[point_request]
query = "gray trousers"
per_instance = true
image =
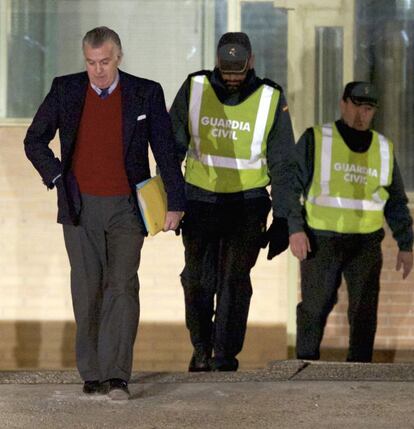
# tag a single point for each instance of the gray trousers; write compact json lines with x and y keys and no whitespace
{"x":104,"y":254}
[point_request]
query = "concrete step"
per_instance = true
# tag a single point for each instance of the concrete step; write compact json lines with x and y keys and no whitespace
{"x":286,"y":370}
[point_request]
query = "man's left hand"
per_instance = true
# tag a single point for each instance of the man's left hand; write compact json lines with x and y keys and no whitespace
{"x":172,"y":220}
{"x":404,"y":260}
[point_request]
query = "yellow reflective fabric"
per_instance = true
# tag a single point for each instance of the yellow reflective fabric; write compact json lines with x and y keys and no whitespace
{"x":347,"y":193}
{"x":227,"y":150}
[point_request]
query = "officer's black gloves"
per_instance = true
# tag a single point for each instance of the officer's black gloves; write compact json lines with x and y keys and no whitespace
{"x":277,"y":236}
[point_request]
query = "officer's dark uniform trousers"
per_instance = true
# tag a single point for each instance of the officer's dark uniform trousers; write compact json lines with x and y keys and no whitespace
{"x":222,"y":243}
{"x":359,"y":258}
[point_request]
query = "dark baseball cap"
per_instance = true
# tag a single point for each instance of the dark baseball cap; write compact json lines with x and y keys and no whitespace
{"x":233,"y":52}
{"x":361,"y":93}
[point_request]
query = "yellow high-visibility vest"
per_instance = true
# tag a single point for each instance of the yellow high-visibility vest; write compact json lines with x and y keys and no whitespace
{"x":227,"y":150}
{"x":347,"y":193}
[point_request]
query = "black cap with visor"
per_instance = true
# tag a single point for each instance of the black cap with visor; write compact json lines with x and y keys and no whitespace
{"x":361,"y":93}
{"x":233,"y":53}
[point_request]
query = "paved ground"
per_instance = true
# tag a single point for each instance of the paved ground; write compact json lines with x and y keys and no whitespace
{"x":288,"y":394}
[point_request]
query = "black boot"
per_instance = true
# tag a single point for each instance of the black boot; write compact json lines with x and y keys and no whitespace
{"x":200,"y":362}
{"x":224,"y":364}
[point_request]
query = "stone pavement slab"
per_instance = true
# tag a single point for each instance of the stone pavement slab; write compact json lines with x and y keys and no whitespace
{"x":243,"y":405}
{"x":287,"y":394}
{"x":356,"y":371}
{"x":278,"y":370}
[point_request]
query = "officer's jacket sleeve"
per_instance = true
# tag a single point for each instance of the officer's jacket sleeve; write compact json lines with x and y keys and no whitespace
{"x":397,"y":213}
{"x":280,"y":144}
{"x":301,"y":178}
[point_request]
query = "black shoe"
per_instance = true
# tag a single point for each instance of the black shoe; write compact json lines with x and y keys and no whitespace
{"x":224,"y":364}
{"x":118,"y":389}
{"x":91,"y":386}
{"x":200,"y":362}
{"x":307,"y":357}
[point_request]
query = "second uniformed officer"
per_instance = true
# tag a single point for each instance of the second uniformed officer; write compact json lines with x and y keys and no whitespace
{"x":350,"y":181}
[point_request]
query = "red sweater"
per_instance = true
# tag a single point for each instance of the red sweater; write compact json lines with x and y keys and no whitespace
{"x":98,"y":160}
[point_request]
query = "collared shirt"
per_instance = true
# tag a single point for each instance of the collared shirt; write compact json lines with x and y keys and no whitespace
{"x":110,"y":89}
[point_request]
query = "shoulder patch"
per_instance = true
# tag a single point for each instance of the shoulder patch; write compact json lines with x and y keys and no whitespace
{"x":272,"y":84}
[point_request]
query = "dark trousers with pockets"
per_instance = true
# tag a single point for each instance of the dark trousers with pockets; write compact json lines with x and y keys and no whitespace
{"x":358,"y":257}
{"x":222,"y":243}
{"x":104,"y":253}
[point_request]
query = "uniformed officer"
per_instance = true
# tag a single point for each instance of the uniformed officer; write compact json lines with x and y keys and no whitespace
{"x":350,"y":181}
{"x":234,"y":130}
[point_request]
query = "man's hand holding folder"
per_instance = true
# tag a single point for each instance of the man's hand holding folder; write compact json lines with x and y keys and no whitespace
{"x":172,"y":220}
{"x":152,"y":201}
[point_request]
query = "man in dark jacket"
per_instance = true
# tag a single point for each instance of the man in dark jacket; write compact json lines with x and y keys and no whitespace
{"x":234,"y":130}
{"x":350,"y":181}
{"x":105,"y":119}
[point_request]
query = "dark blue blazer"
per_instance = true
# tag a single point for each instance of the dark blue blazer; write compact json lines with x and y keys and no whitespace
{"x":62,"y":110}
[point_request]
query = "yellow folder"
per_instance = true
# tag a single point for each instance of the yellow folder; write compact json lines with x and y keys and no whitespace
{"x":152,"y":201}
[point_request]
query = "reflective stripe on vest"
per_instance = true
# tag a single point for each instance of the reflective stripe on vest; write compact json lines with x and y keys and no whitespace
{"x":209,"y":153}
{"x":341,"y":212}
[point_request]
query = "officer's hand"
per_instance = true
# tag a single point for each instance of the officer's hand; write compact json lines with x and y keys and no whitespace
{"x":172,"y":220}
{"x":404,"y":259}
{"x":299,"y":245}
